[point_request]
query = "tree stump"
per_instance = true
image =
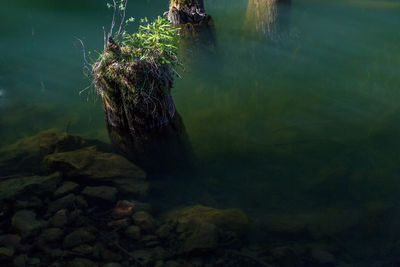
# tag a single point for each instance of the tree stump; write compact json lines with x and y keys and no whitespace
{"x":140,"y":114}
{"x":187,"y":11}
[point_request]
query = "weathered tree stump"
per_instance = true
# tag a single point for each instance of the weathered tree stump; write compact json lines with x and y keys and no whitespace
{"x":187,"y":11}
{"x":196,"y":28}
{"x":140,"y":113}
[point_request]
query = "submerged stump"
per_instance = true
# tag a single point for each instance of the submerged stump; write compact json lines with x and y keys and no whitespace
{"x":187,"y":11}
{"x":195,"y":26}
{"x":140,"y":113}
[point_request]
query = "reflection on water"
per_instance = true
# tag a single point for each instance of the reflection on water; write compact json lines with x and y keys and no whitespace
{"x":262,"y":14}
{"x":267,"y":17}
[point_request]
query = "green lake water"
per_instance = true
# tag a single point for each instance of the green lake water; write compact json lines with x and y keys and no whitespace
{"x":292,"y":113}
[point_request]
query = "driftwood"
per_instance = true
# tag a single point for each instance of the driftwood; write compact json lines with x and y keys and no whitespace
{"x":140,"y":113}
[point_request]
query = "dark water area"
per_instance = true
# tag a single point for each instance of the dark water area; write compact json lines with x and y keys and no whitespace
{"x":292,"y":112}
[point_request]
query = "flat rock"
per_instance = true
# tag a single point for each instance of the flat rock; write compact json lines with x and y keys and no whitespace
{"x":13,"y":187}
{"x":25,"y":222}
{"x":26,"y":154}
{"x":92,"y":164}
{"x":101,"y":192}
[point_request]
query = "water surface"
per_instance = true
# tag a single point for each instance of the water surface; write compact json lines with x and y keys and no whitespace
{"x":293,"y":112}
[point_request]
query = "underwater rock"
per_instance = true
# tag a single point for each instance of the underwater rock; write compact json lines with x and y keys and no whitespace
{"x":112,"y":264}
{"x":285,"y":256}
{"x":78,"y":237}
{"x":144,"y":220}
{"x":10,"y":240}
{"x":108,"y":255}
{"x":125,"y":208}
{"x":6,"y":253}
{"x":25,"y":222}
{"x":231,"y":220}
{"x":50,"y":235}
{"x":133,"y":232}
{"x":204,"y":236}
{"x":15,"y":186}
{"x":25,"y":155}
{"x":92,"y":164}
{"x":65,"y":188}
{"x":119,"y":224}
{"x":60,"y":219}
{"x":20,"y":260}
{"x":81,"y":262}
{"x":199,"y":228}
{"x":66,"y":202}
{"x":150,"y":241}
{"x":31,"y":203}
{"x":131,"y":186}
{"x":322,"y":257}
{"x":83,"y":249}
{"x":107,"y":193}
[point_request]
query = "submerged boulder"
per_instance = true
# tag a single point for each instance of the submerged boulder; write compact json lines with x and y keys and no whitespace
{"x":25,"y":222}
{"x":15,"y":186}
{"x":25,"y":155}
{"x":202,"y":228}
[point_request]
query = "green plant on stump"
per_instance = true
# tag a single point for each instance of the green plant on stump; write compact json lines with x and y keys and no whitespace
{"x":140,"y":66}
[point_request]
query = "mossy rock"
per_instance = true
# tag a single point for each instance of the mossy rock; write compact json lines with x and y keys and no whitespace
{"x":25,"y":155}
{"x":99,"y":167}
{"x":91,"y":163}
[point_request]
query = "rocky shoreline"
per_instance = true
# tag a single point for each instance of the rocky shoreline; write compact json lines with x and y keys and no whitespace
{"x":66,"y":201}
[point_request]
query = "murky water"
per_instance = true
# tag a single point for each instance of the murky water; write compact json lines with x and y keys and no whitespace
{"x":292,"y":111}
